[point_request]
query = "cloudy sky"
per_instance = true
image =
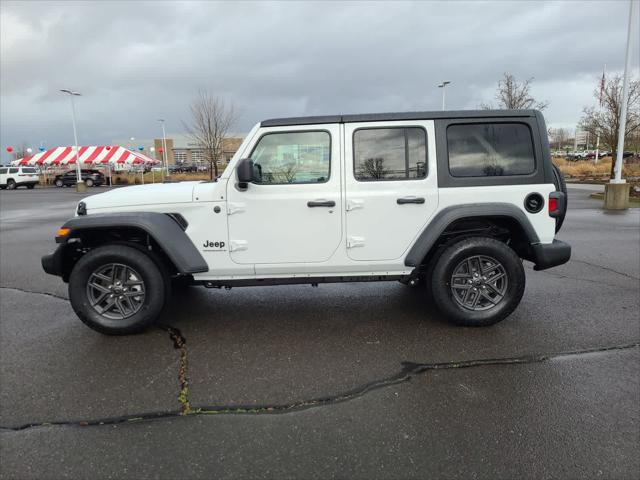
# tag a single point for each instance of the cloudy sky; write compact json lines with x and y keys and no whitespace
{"x":137,"y":61}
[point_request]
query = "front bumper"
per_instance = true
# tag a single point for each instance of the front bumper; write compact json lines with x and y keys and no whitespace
{"x":547,"y":255}
{"x":53,"y":263}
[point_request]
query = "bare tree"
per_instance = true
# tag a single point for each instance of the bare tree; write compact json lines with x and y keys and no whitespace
{"x":212,"y":118}
{"x":559,"y":137}
{"x":21,"y":151}
{"x":373,"y":168}
{"x":605,"y":121}
{"x":513,"y":94}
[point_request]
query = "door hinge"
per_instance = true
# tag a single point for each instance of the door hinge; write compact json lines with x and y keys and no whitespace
{"x":238,"y":245}
{"x":235,"y":208}
{"x":353,"y":242}
{"x":354,"y":204}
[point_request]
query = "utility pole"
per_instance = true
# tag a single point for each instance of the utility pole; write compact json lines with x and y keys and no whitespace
{"x":595,"y":159}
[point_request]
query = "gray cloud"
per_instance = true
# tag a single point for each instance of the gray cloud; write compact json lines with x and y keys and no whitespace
{"x":136,"y":61}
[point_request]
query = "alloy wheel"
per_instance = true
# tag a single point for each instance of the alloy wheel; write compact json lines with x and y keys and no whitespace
{"x":116,"y":291}
{"x":479,"y":283}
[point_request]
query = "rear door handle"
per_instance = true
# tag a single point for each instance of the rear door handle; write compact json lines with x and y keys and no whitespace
{"x":321,"y":203}
{"x":405,"y":200}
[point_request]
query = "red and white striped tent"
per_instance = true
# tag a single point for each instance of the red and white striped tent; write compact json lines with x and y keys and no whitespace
{"x":96,"y":156}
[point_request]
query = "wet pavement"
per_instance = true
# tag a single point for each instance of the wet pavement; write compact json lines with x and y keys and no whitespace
{"x":352,"y":380}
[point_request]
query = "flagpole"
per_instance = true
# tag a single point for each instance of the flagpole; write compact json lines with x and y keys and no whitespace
{"x":600,"y":111}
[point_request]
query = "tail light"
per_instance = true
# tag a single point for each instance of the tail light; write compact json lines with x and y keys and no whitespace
{"x":557,"y":204}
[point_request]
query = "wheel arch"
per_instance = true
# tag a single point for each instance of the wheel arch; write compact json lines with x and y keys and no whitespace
{"x":158,"y":233}
{"x":499,"y":220}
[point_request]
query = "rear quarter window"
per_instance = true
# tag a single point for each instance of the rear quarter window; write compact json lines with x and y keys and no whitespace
{"x":29,"y":170}
{"x":490,"y":149}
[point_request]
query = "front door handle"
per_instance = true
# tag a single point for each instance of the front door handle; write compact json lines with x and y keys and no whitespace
{"x":405,"y":200}
{"x":321,"y":203}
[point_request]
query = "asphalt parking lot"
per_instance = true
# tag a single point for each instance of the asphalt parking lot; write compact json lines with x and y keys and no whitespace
{"x":350,"y":380}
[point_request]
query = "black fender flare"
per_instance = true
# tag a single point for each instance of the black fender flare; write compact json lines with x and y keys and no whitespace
{"x":166,"y":232}
{"x":448,"y":215}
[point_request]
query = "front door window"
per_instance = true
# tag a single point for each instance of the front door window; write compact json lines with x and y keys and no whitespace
{"x":292,"y":157}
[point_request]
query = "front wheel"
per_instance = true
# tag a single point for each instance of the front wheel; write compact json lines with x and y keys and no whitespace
{"x":477,"y":281}
{"x":11,"y":184}
{"x":117,"y":290}
{"x":88,"y":182}
{"x":59,"y":183}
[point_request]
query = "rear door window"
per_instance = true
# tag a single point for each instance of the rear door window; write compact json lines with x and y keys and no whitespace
{"x":490,"y":149}
{"x":13,"y":170}
{"x":389,"y":154}
{"x":3,"y":171}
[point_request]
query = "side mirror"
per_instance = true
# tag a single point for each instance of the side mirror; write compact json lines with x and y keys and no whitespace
{"x":244,"y":170}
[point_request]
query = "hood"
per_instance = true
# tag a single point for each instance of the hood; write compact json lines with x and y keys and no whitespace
{"x":150,"y":194}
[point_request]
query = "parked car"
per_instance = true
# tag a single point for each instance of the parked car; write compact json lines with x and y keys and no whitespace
{"x":14,"y":177}
{"x":451,"y":202}
{"x":91,"y":178}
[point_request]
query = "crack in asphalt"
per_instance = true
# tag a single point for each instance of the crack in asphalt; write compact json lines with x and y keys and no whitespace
{"x":409,"y":370}
{"x":180,"y":343}
{"x":24,"y":290}
{"x":588,"y":280}
{"x":606,"y":268}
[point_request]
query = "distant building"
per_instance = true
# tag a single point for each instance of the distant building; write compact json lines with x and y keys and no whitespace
{"x":181,"y":148}
{"x":581,"y":139}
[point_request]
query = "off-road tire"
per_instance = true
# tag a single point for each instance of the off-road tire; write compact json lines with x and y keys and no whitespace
{"x":451,"y":258}
{"x":154,"y":287}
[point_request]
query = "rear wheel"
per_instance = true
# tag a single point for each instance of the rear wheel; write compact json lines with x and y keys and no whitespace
{"x":31,"y":185}
{"x":117,"y":290}
{"x":59,"y":183}
{"x":477,"y":281}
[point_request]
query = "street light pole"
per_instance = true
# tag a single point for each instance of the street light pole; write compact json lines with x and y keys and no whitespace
{"x":625,"y":99}
{"x":80,"y":186}
{"x":164,"y":147}
{"x":442,"y":86}
{"x":616,"y":192}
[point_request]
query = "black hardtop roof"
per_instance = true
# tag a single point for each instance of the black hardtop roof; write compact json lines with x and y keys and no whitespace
{"x":383,"y":117}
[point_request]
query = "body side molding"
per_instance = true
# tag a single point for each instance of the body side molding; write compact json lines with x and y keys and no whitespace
{"x":445,"y":217}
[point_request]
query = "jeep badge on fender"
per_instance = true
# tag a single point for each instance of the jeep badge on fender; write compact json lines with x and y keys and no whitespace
{"x":210,"y":244}
{"x":450,"y":202}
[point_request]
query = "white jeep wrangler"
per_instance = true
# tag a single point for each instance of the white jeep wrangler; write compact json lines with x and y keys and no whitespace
{"x":449,"y":200}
